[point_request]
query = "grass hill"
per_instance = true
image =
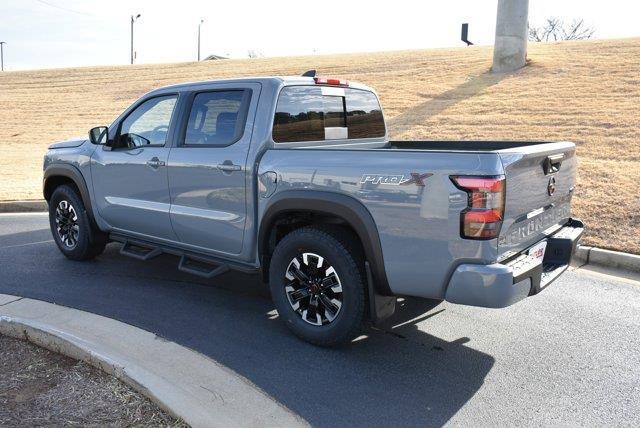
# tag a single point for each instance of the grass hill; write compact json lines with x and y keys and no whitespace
{"x":587,"y":92}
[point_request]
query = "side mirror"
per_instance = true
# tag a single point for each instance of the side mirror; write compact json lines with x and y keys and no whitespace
{"x":98,"y":135}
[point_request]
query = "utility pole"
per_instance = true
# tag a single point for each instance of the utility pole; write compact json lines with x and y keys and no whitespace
{"x":199,"y":25}
{"x":133,"y":19}
{"x":2,"y":55}
{"x":510,"y":49}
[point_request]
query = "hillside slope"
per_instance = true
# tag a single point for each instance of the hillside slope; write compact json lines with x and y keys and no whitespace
{"x":587,"y":92}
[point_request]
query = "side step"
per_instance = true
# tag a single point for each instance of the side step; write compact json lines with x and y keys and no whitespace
{"x":139,"y":252}
{"x":201,"y":268}
{"x":202,"y":265}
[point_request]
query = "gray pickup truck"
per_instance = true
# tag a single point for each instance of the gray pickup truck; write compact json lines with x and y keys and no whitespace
{"x":294,"y":178}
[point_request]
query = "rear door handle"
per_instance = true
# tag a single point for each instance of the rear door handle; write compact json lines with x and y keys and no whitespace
{"x":227,"y":166}
{"x":155,"y":163}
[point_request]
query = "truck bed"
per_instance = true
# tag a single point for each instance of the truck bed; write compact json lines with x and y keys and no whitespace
{"x":467,"y":146}
{"x":419,"y":222}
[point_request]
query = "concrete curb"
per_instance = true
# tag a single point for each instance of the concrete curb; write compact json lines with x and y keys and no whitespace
{"x":607,"y":258}
{"x":36,"y":205}
{"x":183,"y":382}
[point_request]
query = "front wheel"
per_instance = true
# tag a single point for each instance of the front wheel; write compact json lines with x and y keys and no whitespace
{"x":317,"y":286}
{"x":74,"y":234}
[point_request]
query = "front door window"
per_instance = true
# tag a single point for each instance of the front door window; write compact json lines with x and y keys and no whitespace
{"x":148,"y":124}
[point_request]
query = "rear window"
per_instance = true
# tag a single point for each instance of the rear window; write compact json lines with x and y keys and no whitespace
{"x":319,"y":113}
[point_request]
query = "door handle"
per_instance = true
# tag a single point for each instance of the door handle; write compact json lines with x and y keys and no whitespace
{"x":155,"y":163}
{"x":227,"y":166}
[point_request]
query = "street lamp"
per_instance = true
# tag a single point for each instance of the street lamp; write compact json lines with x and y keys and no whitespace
{"x":133,"y":19}
{"x":2,"y":55}
{"x":199,"y":25}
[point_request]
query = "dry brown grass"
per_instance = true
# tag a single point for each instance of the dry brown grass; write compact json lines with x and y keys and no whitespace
{"x":587,"y":92}
{"x":41,"y":388}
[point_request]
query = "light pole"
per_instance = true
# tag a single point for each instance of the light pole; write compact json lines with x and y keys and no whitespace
{"x":199,"y":25}
{"x":133,"y":19}
{"x":2,"y":55}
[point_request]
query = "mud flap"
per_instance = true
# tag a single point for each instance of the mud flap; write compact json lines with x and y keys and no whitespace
{"x":380,"y":307}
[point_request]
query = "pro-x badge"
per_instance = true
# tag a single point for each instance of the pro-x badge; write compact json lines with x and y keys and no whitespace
{"x":396,"y":180}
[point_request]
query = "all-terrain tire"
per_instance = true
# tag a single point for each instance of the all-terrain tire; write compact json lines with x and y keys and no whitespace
{"x":336,"y":252}
{"x":71,"y":228}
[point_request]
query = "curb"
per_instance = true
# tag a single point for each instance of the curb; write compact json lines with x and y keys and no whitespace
{"x":607,"y":258}
{"x":184,"y":383}
{"x":36,"y":205}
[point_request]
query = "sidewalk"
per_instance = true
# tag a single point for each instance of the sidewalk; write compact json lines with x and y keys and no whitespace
{"x":185,"y":383}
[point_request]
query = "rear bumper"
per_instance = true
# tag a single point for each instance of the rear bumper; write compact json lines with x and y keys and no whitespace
{"x":499,"y":285}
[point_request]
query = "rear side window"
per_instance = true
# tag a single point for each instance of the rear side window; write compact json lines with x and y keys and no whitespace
{"x":319,"y":113}
{"x":216,"y":118}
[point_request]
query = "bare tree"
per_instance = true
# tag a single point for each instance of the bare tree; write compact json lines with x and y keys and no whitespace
{"x":555,"y":29}
{"x":255,"y":54}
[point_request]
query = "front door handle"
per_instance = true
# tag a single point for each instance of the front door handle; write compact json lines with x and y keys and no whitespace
{"x":155,"y":163}
{"x":228,"y":166}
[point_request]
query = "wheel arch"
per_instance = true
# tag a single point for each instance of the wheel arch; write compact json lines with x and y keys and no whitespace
{"x":59,"y":174}
{"x":327,"y":205}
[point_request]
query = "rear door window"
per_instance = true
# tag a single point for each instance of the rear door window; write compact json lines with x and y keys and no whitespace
{"x":321,"y":113}
{"x":217,"y":118}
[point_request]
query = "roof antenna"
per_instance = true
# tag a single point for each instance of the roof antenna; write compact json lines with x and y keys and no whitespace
{"x":309,"y":73}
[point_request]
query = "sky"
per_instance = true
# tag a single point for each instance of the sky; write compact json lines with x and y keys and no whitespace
{"x":70,"y":33}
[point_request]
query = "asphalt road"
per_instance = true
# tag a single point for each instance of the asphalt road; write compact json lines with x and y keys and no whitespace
{"x":569,"y":356}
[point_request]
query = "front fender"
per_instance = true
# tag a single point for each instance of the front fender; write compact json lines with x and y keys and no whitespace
{"x":53,"y":174}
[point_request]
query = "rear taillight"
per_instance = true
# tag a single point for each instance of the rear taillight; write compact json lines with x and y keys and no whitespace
{"x":483,"y":216}
{"x":331,"y":81}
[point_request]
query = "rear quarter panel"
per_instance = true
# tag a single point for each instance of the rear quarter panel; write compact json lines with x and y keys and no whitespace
{"x":419,"y":227}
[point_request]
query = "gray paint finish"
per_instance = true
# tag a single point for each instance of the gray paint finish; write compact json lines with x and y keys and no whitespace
{"x":419,"y":227}
{"x":209,"y":205}
{"x":489,"y":286}
{"x":191,"y":204}
{"x":133,"y":196}
{"x":527,"y":191}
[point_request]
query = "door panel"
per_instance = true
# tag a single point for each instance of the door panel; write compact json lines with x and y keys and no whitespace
{"x":208,"y":205}
{"x":130,"y":177}
{"x":130,"y":194}
{"x":207,"y":170}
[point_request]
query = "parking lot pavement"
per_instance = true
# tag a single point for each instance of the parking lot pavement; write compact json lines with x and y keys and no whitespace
{"x":568,"y":356}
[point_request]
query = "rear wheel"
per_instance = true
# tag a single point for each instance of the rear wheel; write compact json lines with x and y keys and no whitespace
{"x":71,"y":228}
{"x":317,"y":286}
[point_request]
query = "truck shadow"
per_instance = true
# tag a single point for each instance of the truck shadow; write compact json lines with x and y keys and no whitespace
{"x":395,"y":374}
{"x":433,"y":106}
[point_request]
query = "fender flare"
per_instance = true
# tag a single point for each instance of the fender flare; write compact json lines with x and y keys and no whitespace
{"x":352,"y":211}
{"x":74,"y":174}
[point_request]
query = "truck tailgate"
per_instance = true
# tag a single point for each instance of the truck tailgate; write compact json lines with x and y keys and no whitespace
{"x":540,"y":181}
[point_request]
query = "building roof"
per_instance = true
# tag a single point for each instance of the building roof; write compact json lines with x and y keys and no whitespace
{"x":214,"y":57}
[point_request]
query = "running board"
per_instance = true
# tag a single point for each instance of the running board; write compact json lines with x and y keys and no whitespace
{"x":200,"y":268}
{"x":139,"y":252}
{"x":202,"y":265}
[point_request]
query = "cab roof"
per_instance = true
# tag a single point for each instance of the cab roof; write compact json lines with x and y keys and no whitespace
{"x":265,"y":80}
